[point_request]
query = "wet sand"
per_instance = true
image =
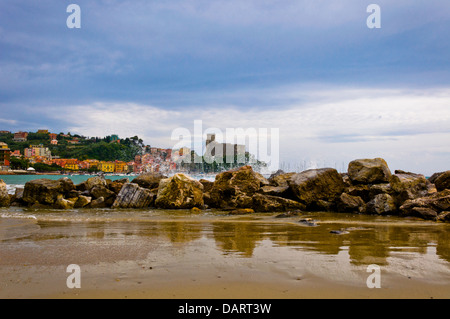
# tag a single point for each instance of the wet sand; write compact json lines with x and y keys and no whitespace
{"x":238,"y":257}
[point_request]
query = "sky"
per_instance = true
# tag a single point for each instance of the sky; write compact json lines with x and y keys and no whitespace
{"x":335,"y":89}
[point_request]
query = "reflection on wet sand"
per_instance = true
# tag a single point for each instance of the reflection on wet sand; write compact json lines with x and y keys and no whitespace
{"x":367,"y":239}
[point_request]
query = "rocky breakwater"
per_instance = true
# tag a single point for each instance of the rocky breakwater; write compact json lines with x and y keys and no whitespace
{"x":368,"y":187}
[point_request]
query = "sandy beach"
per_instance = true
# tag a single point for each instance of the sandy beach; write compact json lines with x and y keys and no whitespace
{"x":218,"y":256}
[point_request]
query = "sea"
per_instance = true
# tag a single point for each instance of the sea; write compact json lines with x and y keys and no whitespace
{"x":17,"y":181}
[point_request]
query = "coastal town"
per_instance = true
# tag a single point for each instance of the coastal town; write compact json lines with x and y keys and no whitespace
{"x":150,"y":159}
{"x":31,"y":152}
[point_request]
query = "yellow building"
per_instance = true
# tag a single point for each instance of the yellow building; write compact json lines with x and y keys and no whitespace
{"x":106,"y":167}
{"x":121,"y":167}
{"x":71,"y":164}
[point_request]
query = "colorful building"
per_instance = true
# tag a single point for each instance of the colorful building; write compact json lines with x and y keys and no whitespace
{"x":106,"y":167}
{"x":71,"y":164}
{"x":4,"y":154}
{"x":20,"y":137}
{"x":121,"y":167}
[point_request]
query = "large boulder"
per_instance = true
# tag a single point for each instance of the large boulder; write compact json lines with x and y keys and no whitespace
{"x":268,"y":203}
{"x":369,"y":171}
{"x":82,"y":201}
{"x":279,"y":185}
{"x":90,"y":183}
{"x":382,"y":204}
{"x":317,"y":188}
{"x":428,"y":206}
{"x":443,"y":181}
{"x":4,"y":196}
{"x":133,"y":196}
{"x":62,"y":203}
{"x":350,"y":203}
{"x":43,"y":191}
{"x":102,"y":191}
{"x":407,"y":185}
{"x":179,"y":191}
{"x":235,"y":188}
{"x":117,"y":185}
{"x":149,"y":180}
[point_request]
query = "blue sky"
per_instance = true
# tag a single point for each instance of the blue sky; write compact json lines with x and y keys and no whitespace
{"x":336,"y":89}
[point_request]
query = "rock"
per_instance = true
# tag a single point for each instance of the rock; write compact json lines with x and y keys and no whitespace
{"x":444,"y":217}
{"x":101,"y":191}
{"x":67,"y":185}
{"x":339,"y":232}
{"x":433,"y":177}
{"x":207,"y":185}
{"x":179,"y":191}
{"x":424,"y":212}
{"x":43,"y":191}
{"x":61,"y":203}
{"x":438,"y":202}
{"x":133,"y":196}
{"x":82,"y":201}
{"x":314,"y":185}
{"x":235,"y":188}
{"x":4,"y":196}
{"x":117,"y":185}
{"x":361,"y":190}
{"x":268,"y":203}
{"x":288,"y":214}
{"x":369,"y":171}
{"x":308,"y":222}
{"x":90,"y":183}
{"x":349,"y":203}
{"x":241,"y":211}
{"x":280,"y":178}
{"x":195,"y":210}
{"x":382,"y":204}
{"x":443,"y":181}
{"x":98,"y":203}
{"x":408,"y":186}
{"x":149,"y":180}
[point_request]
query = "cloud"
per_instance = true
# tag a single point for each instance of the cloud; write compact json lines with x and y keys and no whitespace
{"x":332,"y":125}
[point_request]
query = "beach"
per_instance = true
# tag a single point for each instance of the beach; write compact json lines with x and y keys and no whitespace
{"x":167,"y":254}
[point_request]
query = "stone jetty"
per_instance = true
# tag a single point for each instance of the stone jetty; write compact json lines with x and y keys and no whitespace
{"x":369,"y":187}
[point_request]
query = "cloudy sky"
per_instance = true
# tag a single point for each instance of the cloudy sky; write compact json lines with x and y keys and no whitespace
{"x":334,"y":88}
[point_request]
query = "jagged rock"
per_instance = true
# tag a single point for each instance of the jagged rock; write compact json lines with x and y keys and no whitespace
{"x":4,"y":196}
{"x":90,"y":183}
{"x":361,"y":190}
{"x":82,"y":201}
{"x":382,"y":204}
{"x":43,"y":191}
{"x":443,"y":181}
{"x":133,"y":196}
{"x":149,"y":180}
{"x":349,"y":203}
{"x":315,"y":185}
{"x":62,"y":203}
{"x":369,"y":171}
{"x":235,"y":188}
{"x":424,"y":212}
{"x":268,"y":203}
{"x":179,"y":191}
{"x":407,"y":185}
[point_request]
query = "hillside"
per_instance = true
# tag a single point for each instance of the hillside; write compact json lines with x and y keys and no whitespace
{"x":80,"y":147}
